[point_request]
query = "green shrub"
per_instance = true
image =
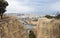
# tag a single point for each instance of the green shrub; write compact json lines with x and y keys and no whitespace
{"x":48,"y":16}
{"x":31,"y":34}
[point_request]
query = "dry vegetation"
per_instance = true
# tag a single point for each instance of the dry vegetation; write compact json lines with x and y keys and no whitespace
{"x":10,"y":27}
{"x":48,"y":28}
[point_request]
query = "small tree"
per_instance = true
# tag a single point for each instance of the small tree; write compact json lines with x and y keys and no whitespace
{"x":3,"y":5}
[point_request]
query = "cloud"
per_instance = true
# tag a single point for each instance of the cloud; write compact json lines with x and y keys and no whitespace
{"x":16,"y":7}
{"x":33,"y":6}
{"x":55,"y":6}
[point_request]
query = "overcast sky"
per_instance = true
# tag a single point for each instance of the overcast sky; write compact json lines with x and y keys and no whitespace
{"x":33,"y":6}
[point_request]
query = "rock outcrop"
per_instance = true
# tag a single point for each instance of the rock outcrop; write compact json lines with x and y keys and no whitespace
{"x":48,"y":28}
{"x":10,"y":27}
